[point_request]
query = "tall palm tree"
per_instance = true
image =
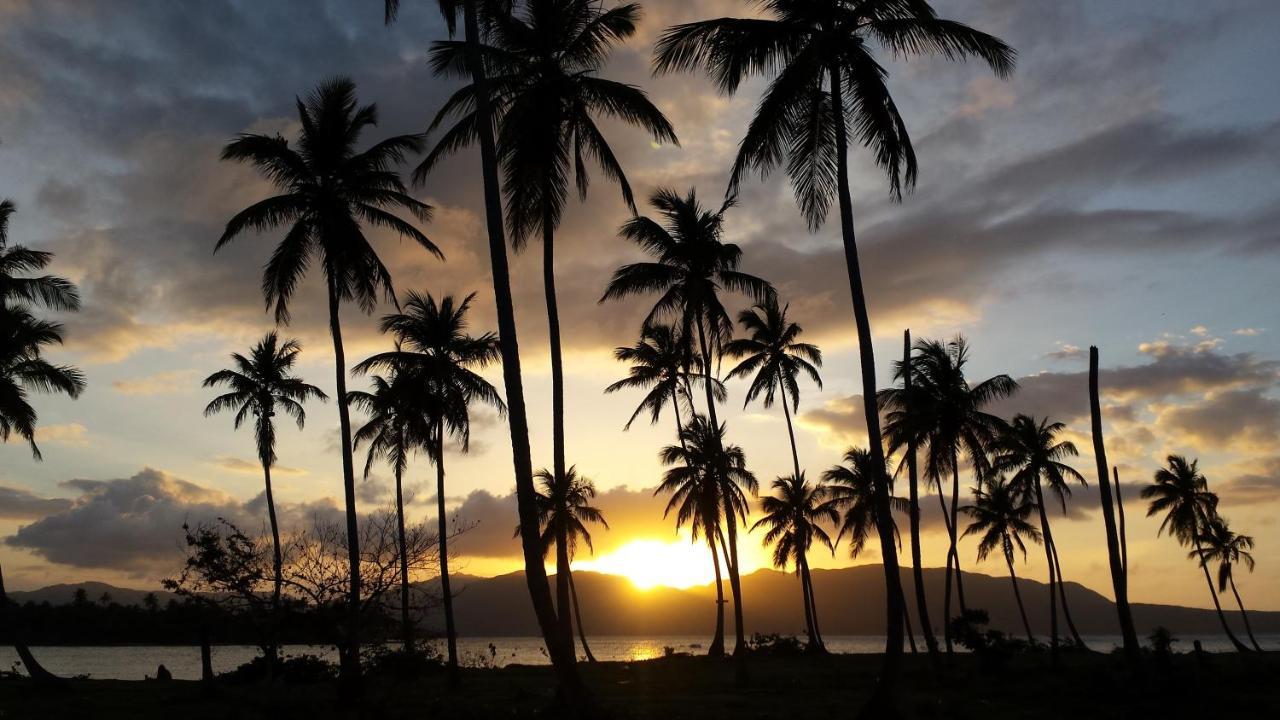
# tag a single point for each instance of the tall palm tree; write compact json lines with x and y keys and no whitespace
{"x":328,"y":192}
{"x":564,"y":509}
{"x":951,"y":411}
{"x":793,"y":517}
{"x":708,"y":482}
{"x":260,"y":384}
{"x":1225,"y":547}
{"x":1000,"y":510}
{"x":776,"y":358}
{"x":395,"y":428}
{"x":474,"y":15}
{"x":548,"y":97}
{"x":815,"y":52}
{"x":691,"y":265}
{"x":24,"y":370}
{"x":1031,"y":451}
{"x":440,"y":359}
{"x":1181,"y":492}
{"x":660,"y":362}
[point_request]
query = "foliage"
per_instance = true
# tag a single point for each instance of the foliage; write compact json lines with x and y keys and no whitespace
{"x":302,"y":669}
{"x":775,"y":645}
{"x":993,"y":648}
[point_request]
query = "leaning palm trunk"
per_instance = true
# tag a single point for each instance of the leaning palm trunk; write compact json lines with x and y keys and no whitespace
{"x":1231,"y":578}
{"x":34,"y":668}
{"x":446,"y":592}
{"x":577,"y":616}
{"x":1217,"y":606}
{"x":955,"y":530}
{"x":350,"y":657}
{"x":810,"y":606}
{"x":1017,"y":594}
{"x":406,"y":625}
{"x":946,"y":587}
{"x":563,"y":600}
{"x":913,"y":489}
{"x":1053,"y":574}
{"x":1062,"y":595}
{"x":557,"y":416}
{"x":562,"y":656}
{"x":277,"y":564}
{"x":882,"y":699}
{"x":1119,"y":582}
{"x":813,"y":606}
{"x":717,"y":642}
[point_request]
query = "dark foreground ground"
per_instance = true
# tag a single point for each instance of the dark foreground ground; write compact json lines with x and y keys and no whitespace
{"x":1091,"y":687}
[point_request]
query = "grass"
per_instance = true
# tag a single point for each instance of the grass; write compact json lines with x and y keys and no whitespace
{"x":1092,"y":686}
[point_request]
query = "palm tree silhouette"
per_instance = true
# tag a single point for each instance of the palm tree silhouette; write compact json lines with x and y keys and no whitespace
{"x":949,"y":412}
{"x":472,"y":63}
{"x":548,"y":97}
{"x":1181,"y":492}
{"x":793,"y":516}
{"x":261,"y":384}
{"x":564,"y":508}
{"x":660,"y":362}
{"x":1031,"y":451}
{"x":24,"y":370}
{"x":1000,"y":511}
{"x":328,"y":190}
{"x":776,"y":358}
{"x":708,"y":482}
{"x":435,"y":351}
{"x":692,"y":264}
{"x":1229,"y":550}
{"x":395,"y":428}
{"x":816,"y":52}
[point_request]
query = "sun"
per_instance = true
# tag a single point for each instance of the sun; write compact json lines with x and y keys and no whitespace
{"x":650,"y":563}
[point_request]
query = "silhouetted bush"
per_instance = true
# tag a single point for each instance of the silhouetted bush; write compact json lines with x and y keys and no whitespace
{"x":992,"y":647}
{"x":296,"y":669}
{"x":774,"y":645}
{"x":397,"y":663}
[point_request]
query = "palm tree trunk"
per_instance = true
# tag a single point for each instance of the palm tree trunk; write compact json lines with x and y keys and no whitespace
{"x":1119,"y":583}
{"x":1017,"y":594}
{"x":813,"y":607}
{"x":562,"y":655}
{"x":277,"y":564}
{"x":946,"y":587}
{"x":882,"y":699}
{"x":557,"y":414}
{"x":795,"y":455}
{"x":717,"y":641}
{"x":350,"y":665}
{"x":917,"y":569}
{"x":1243,"y":615}
{"x":446,"y":592}
{"x":1213,"y":592}
{"x":1062,"y":595}
{"x":33,"y":666}
{"x":1124,"y":538}
{"x":955,"y":529}
{"x":906,"y":624}
{"x":406,"y":626}
{"x":1053,"y":577}
{"x":814,"y":643}
{"x":577,"y":614}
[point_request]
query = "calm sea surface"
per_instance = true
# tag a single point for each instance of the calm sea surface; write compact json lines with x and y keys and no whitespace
{"x":137,"y":662}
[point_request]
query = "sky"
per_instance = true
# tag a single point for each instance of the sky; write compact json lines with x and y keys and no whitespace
{"x":1120,"y":190}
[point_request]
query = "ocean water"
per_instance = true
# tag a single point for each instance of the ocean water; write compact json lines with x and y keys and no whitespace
{"x":139,"y":662}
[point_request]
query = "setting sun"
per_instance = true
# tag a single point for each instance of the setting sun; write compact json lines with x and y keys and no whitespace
{"x":649,"y":563}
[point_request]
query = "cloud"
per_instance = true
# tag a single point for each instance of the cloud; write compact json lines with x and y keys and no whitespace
{"x":71,"y":434}
{"x":1066,"y":351}
{"x":1259,"y":485}
{"x":1244,"y":419}
{"x":162,"y":383}
{"x":839,"y":423}
{"x":253,"y":467}
{"x":22,"y":504}
{"x":1248,"y":332}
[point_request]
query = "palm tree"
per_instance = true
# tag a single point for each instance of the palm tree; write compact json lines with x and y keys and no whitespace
{"x":434,"y":350}
{"x":817,"y":51}
{"x":660,"y":363}
{"x":328,"y":191}
{"x":259,"y":385}
{"x":793,"y":517}
{"x":564,"y":508}
{"x":952,"y":418}
{"x":1000,"y":510}
{"x":691,"y":265}
{"x":708,"y":482}
{"x":1031,"y":452}
{"x":1181,"y":492}
{"x":473,"y":12}
{"x":774,"y":355}
{"x":24,"y":370}
{"x":396,"y":426}
{"x":548,"y":97}
{"x":1228,"y":549}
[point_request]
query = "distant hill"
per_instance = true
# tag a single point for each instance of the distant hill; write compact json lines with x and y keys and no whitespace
{"x":850,"y":602}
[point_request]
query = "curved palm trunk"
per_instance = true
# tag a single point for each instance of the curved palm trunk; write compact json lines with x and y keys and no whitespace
{"x":33,"y":666}
{"x":946,"y":587}
{"x":577,"y":615}
{"x":350,"y":658}
{"x":882,"y":700}
{"x":1119,"y":582}
{"x":913,"y":490}
{"x":806,"y":591}
{"x":406,"y":625}
{"x":562,"y":656}
{"x":813,"y":606}
{"x":446,"y":592}
{"x":1243,"y":615}
{"x":791,"y":432}
{"x":277,"y":563}
{"x":1053,"y":574}
{"x":1124,"y":538}
{"x":1062,"y":596}
{"x":717,"y":642}
{"x":955,"y":530}
{"x":1017,"y":594}
{"x":906,"y":625}
{"x":1213,"y":592}
{"x":557,"y":417}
